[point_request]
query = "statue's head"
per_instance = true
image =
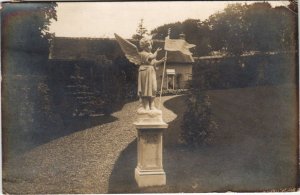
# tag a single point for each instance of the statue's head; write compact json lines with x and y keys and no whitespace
{"x":146,"y":43}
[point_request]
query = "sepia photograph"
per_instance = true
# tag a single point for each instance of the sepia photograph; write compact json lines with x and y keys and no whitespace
{"x":149,"y":97}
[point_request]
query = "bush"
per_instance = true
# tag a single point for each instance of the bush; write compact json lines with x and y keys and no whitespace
{"x":197,"y":125}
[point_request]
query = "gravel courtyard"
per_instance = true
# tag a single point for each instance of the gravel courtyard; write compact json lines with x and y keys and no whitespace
{"x":253,"y":150}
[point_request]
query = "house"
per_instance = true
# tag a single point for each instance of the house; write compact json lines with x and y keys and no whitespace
{"x":96,"y":50}
{"x":177,"y":74}
{"x":178,"y":71}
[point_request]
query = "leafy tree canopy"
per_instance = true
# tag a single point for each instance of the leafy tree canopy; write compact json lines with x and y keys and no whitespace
{"x":29,"y":23}
{"x":195,"y":32}
{"x":239,"y":28}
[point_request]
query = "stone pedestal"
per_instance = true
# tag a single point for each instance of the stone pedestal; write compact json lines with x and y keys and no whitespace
{"x":149,"y":170}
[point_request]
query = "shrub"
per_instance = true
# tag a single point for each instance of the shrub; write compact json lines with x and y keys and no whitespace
{"x":166,"y":92}
{"x":198,"y":125}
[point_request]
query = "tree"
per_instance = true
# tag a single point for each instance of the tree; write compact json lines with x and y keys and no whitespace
{"x":285,"y":22}
{"x":28,"y":49}
{"x":262,"y":27}
{"x":238,"y":29}
{"x":161,"y":32}
{"x":195,"y":32}
{"x":293,"y":6}
{"x":140,"y":31}
{"x":270,"y":29}
{"x":27,"y":100}
{"x":255,"y":27}
{"x":228,"y":29}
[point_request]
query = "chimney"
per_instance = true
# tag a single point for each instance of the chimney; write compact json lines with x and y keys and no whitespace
{"x":182,"y":36}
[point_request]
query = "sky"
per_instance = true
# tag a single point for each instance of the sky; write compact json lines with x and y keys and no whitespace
{"x":103,"y":19}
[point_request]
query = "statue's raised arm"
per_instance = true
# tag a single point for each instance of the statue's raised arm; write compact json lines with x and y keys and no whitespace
{"x":130,"y":50}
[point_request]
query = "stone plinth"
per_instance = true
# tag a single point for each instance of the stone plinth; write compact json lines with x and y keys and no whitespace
{"x":149,"y":170}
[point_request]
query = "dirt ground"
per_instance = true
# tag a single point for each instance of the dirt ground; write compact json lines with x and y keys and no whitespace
{"x":255,"y":149}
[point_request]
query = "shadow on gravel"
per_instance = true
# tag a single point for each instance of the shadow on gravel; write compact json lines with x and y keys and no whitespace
{"x":69,"y":126}
{"x":122,"y":177}
{"x":73,"y":125}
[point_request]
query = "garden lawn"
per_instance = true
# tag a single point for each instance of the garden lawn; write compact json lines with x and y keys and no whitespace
{"x":254,"y":148}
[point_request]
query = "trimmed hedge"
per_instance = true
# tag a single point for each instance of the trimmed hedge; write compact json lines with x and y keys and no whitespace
{"x":246,"y":71}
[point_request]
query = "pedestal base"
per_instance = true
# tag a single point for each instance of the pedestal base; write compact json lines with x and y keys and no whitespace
{"x":149,"y":170}
{"x":149,"y":116}
{"x":150,"y":178}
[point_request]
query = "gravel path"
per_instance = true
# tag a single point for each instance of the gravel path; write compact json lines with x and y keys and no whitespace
{"x":77,"y":163}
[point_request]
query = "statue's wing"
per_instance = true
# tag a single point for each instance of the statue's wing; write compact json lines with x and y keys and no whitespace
{"x":130,"y":50}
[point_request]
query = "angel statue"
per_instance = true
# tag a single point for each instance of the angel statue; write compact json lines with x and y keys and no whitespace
{"x":146,"y":60}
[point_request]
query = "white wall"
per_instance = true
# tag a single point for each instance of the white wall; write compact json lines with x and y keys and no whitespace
{"x":184,"y":69}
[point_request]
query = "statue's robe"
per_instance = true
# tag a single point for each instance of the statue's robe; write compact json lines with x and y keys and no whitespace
{"x":147,"y":84}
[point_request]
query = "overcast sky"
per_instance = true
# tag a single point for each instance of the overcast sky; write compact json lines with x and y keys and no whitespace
{"x":102,"y":19}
